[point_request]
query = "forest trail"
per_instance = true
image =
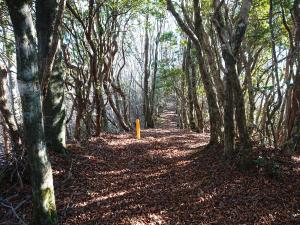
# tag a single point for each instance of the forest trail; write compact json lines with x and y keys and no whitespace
{"x":168,"y":118}
{"x":147,"y":181}
{"x":115,"y":179}
{"x":159,"y":180}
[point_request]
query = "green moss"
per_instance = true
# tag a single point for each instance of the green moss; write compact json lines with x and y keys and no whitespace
{"x":48,"y":198}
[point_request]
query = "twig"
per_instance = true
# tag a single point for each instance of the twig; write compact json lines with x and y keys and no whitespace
{"x":13,"y":210}
{"x":22,"y":203}
{"x":10,"y":197}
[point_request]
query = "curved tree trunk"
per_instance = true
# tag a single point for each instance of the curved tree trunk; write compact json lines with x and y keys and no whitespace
{"x":114,"y":108}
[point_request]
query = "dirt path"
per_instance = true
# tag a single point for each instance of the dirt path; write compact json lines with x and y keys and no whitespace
{"x":117,"y":180}
{"x":133,"y":181}
{"x":168,"y":118}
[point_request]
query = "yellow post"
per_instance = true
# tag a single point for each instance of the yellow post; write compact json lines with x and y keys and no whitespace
{"x":138,"y":129}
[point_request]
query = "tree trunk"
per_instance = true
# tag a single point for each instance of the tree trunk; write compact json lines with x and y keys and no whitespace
{"x":11,"y":83}
{"x":118,"y":90}
{"x":97,"y":84}
{"x":240,"y":113}
{"x":98,"y":112}
{"x":148,"y":123}
{"x":8,"y":116}
{"x":79,"y":116}
{"x":213,"y":109}
{"x":5,"y":140}
{"x":155,"y":69}
{"x":53,"y":101}
{"x":292,"y":142}
{"x":187,"y":63}
{"x":195,"y":99}
{"x":44,"y":209}
{"x":114,"y":108}
{"x":229,"y":146}
{"x":230,"y":47}
{"x":54,"y":109}
{"x":183,"y":101}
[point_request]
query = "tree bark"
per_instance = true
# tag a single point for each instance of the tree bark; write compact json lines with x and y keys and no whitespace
{"x":230,"y":47}
{"x":183,"y":114}
{"x":44,"y":209}
{"x":53,"y":101}
{"x":197,"y":39}
{"x":187,"y":63}
{"x":155,"y":69}
{"x":7,"y":115}
{"x":292,"y":143}
{"x":148,"y":123}
{"x":213,"y":108}
{"x":54,"y":109}
{"x":198,"y":110}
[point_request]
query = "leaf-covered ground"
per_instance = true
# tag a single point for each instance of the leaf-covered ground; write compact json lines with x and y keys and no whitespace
{"x":167,"y":177}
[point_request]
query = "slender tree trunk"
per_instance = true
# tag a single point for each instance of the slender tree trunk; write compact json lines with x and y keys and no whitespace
{"x":195,"y":99}
{"x":213,"y":108}
{"x":187,"y":64}
{"x":44,"y":209}
{"x":155,"y":69}
{"x":98,"y":112}
{"x":214,"y":67}
{"x":275,"y":76}
{"x":79,"y":115}
{"x":229,"y":146}
{"x":7,"y":115}
{"x":97,"y":84}
{"x":5,"y":140}
{"x":11,"y":83}
{"x":249,"y":64}
{"x":119,"y":91}
{"x":240,"y":113}
{"x":114,"y":108}
{"x":146,"y":105}
{"x":183,"y":102}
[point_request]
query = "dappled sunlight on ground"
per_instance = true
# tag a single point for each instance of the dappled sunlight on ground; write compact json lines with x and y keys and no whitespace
{"x":117,"y":180}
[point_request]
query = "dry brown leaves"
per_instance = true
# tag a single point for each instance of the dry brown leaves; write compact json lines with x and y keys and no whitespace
{"x":158,"y":180}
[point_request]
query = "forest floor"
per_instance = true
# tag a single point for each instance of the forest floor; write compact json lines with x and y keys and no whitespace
{"x":167,"y":177}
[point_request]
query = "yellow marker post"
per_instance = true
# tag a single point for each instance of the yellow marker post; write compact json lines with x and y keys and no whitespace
{"x":138,"y":129}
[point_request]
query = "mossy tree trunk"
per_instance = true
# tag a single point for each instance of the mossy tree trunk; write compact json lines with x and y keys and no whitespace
{"x":44,"y":209}
{"x":53,"y":101}
{"x":54,"y":109}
